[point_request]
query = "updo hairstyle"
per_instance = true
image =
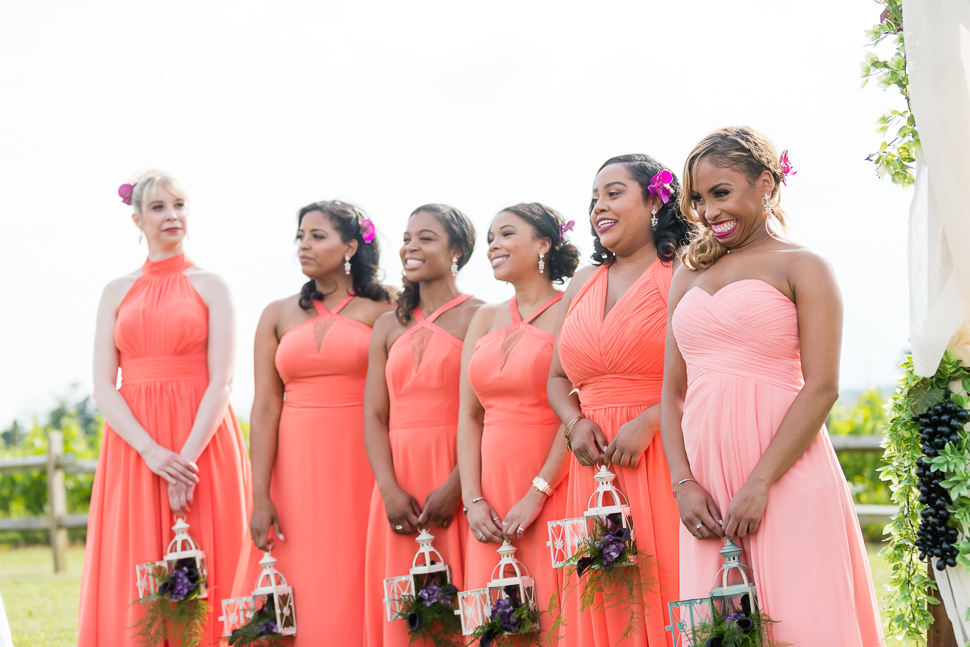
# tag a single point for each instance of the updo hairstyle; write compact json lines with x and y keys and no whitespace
{"x":149,"y":182}
{"x":563,"y":257}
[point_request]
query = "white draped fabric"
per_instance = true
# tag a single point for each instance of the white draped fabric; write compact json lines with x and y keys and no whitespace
{"x":5,"y":639}
{"x":937,"y":36}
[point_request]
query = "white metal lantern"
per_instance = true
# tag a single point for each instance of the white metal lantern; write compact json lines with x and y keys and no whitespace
{"x":687,"y":615}
{"x":566,"y":535}
{"x":426,"y":563}
{"x":181,"y":548}
{"x":271,"y":587}
{"x":475,"y":606}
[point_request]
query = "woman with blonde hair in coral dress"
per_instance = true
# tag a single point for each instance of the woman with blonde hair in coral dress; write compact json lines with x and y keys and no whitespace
{"x":752,"y":371}
{"x":172,"y":444}
{"x":311,"y":364}
{"x":511,"y":455}
{"x":610,"y":347}
{"x":411,"y":412}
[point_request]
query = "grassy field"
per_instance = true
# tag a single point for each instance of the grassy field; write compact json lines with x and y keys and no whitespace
{"x":42,"y":607}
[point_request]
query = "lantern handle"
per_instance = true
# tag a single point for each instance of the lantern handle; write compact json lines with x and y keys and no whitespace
{"x":605,"y":466}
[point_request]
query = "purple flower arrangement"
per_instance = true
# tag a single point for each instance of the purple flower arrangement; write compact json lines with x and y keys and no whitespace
{"x":606,"y":547}
{"x":430,"y":613}
{"x":743,"y":627}
{"x":510,"y":616}
{"x":261,"y":628}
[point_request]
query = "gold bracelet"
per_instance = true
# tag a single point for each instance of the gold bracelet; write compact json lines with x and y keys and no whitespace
{"x":568,"y":430}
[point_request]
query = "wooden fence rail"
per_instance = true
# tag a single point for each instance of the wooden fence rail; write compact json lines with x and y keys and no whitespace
{"x":58,"y":464}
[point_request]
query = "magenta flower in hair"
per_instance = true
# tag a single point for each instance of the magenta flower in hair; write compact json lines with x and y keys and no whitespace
{"x":660,"y":185}
{"x":566,"y":226}
{"x":126,"y":191}
{"x":367,"y":230}
{"x":786,"y":167}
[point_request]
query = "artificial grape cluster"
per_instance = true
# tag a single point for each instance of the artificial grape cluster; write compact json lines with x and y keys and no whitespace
{"x":935,"y":537}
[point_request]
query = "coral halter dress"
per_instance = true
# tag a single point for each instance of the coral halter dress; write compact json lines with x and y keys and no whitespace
{"x":423,"y":368}
{"x":616,"y":363}
{"x":509,"y":371}
{"x":161,"y":333}
{"x":808,"y":556}
{"x":322,"y":482}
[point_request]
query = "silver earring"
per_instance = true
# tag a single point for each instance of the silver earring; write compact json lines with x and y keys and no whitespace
{"x":542,"y":265}
{"x":139,"y":238}
{"x":653,"y":219}
{"x":767,"y":203}
{"x":347,"y":264}
{"x":454,"y":266}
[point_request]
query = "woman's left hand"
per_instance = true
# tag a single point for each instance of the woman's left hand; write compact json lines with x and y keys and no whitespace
{"x":522,"y":514}
{"x":631,"y":440}
{"x":180,"y":497}
{"x":441,"y":506}
{"x":745,"y":510}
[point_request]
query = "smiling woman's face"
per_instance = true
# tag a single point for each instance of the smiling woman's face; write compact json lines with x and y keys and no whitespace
{"x":618,"y":214}
{"x":729,"y":203}
{"x":427,"y":252}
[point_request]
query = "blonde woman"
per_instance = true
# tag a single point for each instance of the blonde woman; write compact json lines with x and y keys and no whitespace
{"x":172,"y":444}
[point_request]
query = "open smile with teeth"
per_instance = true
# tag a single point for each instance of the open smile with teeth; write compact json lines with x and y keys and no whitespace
{"x":724,"y":228}
{"x":605,"y":223}
{"x":412,"y":263}
{"x":498,"y":260}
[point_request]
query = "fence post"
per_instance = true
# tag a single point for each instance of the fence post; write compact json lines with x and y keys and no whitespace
{"x":57,"y":498}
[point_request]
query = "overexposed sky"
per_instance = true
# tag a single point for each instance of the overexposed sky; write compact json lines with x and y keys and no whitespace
{"x":260,"y":108}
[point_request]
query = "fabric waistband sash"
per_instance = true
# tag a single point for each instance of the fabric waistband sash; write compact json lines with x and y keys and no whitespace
{"x":165,"y":368}
{"x":621,"y":390}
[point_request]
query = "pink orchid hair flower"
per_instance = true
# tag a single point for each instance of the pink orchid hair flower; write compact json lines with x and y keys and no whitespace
{"x":126,"y":191}
{"x":367,"y":230}
{"x":786,"y":167}
{"x":564,"y":227}
{"x":660,"y":185}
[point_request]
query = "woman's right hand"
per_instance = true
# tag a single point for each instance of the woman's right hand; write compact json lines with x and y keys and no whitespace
{"x":588,"y":442}
{"x":698,"y":507}
{"x":402,"y":511}
{"x":264,"y":516}
{"x":171,"y":466}
{"x":485,"y":523}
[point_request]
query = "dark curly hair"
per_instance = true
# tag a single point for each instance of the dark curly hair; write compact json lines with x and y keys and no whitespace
{"x":672,"y":227}
{"x":547,"y":223}
{"x":461,"y":234}
{"x":346,"y":219}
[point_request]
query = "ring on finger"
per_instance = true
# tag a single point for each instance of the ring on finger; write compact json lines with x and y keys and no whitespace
{"x":481,"y":537}
{"x":398,"y":528}
{"x":699,"y":526}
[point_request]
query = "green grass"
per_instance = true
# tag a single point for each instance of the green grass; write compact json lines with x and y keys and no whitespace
{"x":42,"y":607}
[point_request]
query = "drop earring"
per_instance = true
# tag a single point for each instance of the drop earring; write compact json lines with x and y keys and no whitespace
{"x":454,"y":266}
{"x":139,"y":238}
{"x":766,"y":201}
{"x":542,"y":264}
{"x":347,"y":264}
{"x":653,"y":219}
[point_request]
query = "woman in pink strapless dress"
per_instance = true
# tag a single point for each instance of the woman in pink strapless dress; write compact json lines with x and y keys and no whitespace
{"x":411,"y":413}
{"x":512,"y":458}
{"x":312,"y":348}
{"x":751,"y":373}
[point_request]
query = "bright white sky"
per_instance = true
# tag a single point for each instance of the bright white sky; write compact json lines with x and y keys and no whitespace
{"x":260,"y":108}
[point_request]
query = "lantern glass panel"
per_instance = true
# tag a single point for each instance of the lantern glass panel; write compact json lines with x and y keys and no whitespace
{"x":565,"y":536}
{"x":285,"y":611}
{"x":235,"y":613}
{"x":474,"y":608}
{"x":395,"y":588}
{"x":684,"y":616}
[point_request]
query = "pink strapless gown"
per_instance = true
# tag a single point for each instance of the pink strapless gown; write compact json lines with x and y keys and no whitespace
{"x":808,"y":556}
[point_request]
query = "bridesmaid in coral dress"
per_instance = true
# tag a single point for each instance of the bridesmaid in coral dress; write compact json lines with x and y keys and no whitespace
{"x":311,"y":364}
{"x":610,"y":346}
{"x":511,"y":457}
{"x":411,"y":412}
{"x":751,"y":374}
{"x":172,"y":443}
